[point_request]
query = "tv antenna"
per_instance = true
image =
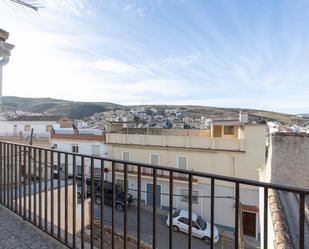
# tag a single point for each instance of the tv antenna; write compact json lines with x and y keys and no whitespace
{"x":31,"y":4}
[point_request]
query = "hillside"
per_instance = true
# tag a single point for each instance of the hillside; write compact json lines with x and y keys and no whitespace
{"x":57,"y":106}
{"x":84,"y":109}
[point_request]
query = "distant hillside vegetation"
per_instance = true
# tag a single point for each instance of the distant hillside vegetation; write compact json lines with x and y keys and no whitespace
{"x":85,"y":109}
{"x":57,"y":106}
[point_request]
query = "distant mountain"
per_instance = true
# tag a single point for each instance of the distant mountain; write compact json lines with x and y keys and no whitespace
{"x":58,"y":106}
{"x":85,"y":109}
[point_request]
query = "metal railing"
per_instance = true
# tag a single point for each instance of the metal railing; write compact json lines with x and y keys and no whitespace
{"x":43,"y":186}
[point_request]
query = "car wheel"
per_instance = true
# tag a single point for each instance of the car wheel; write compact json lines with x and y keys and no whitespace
{"x":98,"y":200}
{"x":206,"y":239}
{"x":119,"y":207}
{"x":175,"y":228}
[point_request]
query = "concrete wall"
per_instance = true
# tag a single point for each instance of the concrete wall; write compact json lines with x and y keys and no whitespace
{"x":69,"y":207}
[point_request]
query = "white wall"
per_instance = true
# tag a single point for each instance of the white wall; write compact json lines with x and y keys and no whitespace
{"x":84,"y":147}
{"x":224,"y":201}
{"x":39,"y":128}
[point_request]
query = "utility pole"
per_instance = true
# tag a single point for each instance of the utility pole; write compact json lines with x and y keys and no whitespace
{"x":31,"y":137}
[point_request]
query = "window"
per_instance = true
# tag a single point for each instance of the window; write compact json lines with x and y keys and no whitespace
{"x":182,"y":164}
{"x":27,"y":127}
{"x":184,"y":220}
{"x":49,"y":127}
{"x":74,"y":148}
{"x":95,"y":150}
{"x":195,"y":225}
{"x":229,"y":130}
{"x":154,"y":160}
{"x":125,"y":156}
{"x":185,"y":196}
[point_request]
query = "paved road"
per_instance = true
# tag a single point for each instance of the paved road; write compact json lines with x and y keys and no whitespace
{"x":180,"y":240}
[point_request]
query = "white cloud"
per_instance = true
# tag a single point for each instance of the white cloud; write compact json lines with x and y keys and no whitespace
{"x":71,"y":7}
{"x":114,"y":66}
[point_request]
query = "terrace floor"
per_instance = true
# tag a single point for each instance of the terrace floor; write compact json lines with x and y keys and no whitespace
{"x":15,"y":233}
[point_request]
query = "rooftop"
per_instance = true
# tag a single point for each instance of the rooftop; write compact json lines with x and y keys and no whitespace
{"x":36,"y":118}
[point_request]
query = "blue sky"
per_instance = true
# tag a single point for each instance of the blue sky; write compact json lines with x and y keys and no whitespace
{"x":250,"y":54}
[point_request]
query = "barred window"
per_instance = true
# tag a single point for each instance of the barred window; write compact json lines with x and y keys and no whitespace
{"x":185,"y":196}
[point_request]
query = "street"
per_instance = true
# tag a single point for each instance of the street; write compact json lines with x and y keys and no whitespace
{"x":180,"y":240}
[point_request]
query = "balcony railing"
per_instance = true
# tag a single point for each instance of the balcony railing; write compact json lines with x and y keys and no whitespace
{"x":34,"y":186}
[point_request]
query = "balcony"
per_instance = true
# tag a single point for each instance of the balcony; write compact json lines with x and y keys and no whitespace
{"x":65,"y":209}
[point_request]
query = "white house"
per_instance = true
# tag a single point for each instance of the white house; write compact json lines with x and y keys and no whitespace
{"x":84,"y":141}
{"x":21,"y":126}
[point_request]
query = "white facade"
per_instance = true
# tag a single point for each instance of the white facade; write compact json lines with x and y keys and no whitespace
{"x":211,"y":151}
{"x":95,"y":148}
{"x":23,"y":128}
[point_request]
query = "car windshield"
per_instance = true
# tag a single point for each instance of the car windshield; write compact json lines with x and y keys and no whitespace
{"x":202,"y":224}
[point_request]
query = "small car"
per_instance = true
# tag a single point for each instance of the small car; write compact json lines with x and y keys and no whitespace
{"x":200,"y":228}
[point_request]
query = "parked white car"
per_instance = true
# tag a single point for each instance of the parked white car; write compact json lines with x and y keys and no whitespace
{"x":200,"y":228}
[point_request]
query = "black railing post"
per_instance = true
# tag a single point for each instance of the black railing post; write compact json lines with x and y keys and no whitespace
{"x":190,"y":212}
{"x":212,"y":213}
{"x":82,"y":196}
{"x":91,"y":202}
{"x":1,"y":173}
{"x":102,"y":204}
{"x":302,"y":221}
{"x":139,"y":199}
{"x":16,"y":185}
{"x":45,"y":190}
{"x":12,"y":176}
{"x":125,"y":222}
{"x":74,"y":201}
{"x":29,"y":183}
{"x":265,"y":244}
{"x":154,"y":208}
{"x":25,"y":181}
{"x":19,"y":179}
{"x":34,"y":186}
{"x":237,"y":215}
{"x":113,"y":204}
{"x":59,"y":195}
{"x":40,"y":188}
{"x":66,"y":198}
{"x":52,"y":192}
{"x":171,"y":211}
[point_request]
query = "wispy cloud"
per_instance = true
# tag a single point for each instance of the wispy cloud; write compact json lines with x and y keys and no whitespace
{"x":114,"y":66}
{"x":203,"y":52}
{"x":76,"y":8}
